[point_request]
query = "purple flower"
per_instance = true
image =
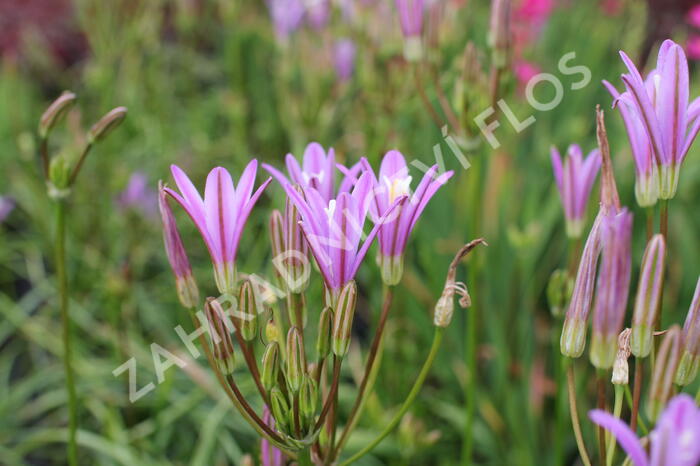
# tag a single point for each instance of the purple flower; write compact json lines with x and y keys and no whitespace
{"x":392,"y":183}
{"x":674,"y":441}
{"x":7,"y":205}
{"x":317,"y":13}
{"x":411,"y":19}
{"x":138,"y":195}
{"x":612,"y":290}
{"x":344,"y":58}
{"x":269,"y":454}
{"x":661,"y":123}
{"x":221,"y":215}
{"x":286,"y":15}
{"x":575,"y":180}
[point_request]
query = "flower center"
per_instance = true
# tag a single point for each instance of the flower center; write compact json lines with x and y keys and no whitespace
{"x":397,"y":187}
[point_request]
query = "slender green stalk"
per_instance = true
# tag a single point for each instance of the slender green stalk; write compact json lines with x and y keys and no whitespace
{"x":638,"y":370}
{"x":617,"y":410}
{"x":628,"y":398}
{"x":418,"y":384}
{"x":67,"y":334}
{"x":304,"y":458}
{"x":601,"y":405}
{"x":573,"y":411}
{"x":559,"y":400}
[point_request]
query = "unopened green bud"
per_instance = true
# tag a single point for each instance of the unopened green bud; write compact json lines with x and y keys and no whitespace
{"x":270,"y":365}
{"x":342,"y":322}
{"x":55,"y":112}
{"x":296,"y":362}
{"x":391,"y":268}
{"x":603,"y":350}
{"x":573,"y":337}
{"x":664,"y":372}
{"x":247,"y":315}
{"x":187,"y":290}
{"x":280,"y":409}
{"x":59,"y":175}
{"x":559,"y":291}
{"x":641,"y":340}
{"x":106,"y":124}
{"x":687,"y":369}
{"x":649,"y":291}
{"x":220,"y":328}
{"x":308,"y":399}
{"x":276,"y":233}
{"x":272,"y":332}
{"x":325,"y":332}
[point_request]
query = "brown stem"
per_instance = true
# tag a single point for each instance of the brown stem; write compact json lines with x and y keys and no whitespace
{"x":637,"y":393}
{"x":445,"y":104}
{"x":79,"y":165}
{"x":331,"y":395}
{"x":44,"y":154}
{"x":251,"y":412}
{"x":494,"y":87}
{"x":252,"y":364}
{"x":573,"y":411}
{"x":424,"y":98}
{"x":601,"y":406}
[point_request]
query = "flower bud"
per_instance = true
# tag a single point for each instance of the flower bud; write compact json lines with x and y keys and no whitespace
{"x":272,"y":332}
{"x":499,"y":32}
{"x":187,"y":290}
{"x":573,"y":337}
{"x":280,"y":409}
{"x":106,"y":124}
{"x":325,"y":332}
{"x":270,"y":365}
{"x":664,"y":372}
{"x":296,"y":258}
{"x":276,"y":233}
{"x":296,"y":362}
{"x":690,"y":360}
{"x":59,"y":178}
{"x":621,"y":370}
{"x":308,"y":399}
{"x":391,"y":267}
{"x":648,"y":294}
{"x":247,"y":315}
{"x":559,"y":291}
{"x":342,"y":322}
{"x":55,"y":112}
{"x":220,"y":328}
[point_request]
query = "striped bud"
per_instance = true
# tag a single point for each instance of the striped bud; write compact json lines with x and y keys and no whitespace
{"x":297,"y":250}
{"x":220,"y":328}
{"x":648,"y":294}
{"x":296,"y":362}
{"x":391,"y":267}
{"x":247,"y":315}
{"x":499,"y":32}
{"x":106,"y":124}
{"x":280,"y":409}
{"x":270,"y":365}
{"x":55,"y":112}
{"x":276,"y":233}
{"x":325,"y":333}
{"x":342,"y":322}
{"x":308,"y":400}
{"x":690,"y":360}
{"x":664,"y":372}
{"x":559,"y":291}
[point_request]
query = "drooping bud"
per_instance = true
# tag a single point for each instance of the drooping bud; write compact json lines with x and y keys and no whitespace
{"x":280,"y":409}
{"x":664,"y":372}
{"x":308,"y":399}
{"x":391,"y":267}
{"x":220,"y":328}
{"x":325,"y":332}
{"x":270,"y":365}
{"x":690,"y":359}
{"x":343,"y":318}
{"x":187,"y":290}
{"x":444,"y":308}
{"x":648,"y":294}
{"x":499,"y":32}
{"x":106,"y":124}
{"x":55,"y":112}
{"x":621,"y":369}
{"x":296,"y":361}
{"x":559,"y":291}
{"x":247,"y":314}
{"x":612,"y":289}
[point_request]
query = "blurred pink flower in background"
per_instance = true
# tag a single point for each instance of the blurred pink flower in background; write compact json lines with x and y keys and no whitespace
{"x":611,"y":7}
{"x":317,"y":12}
{"x":529,"y":17}
{"x":286,"y":15}
{"x":692,"y":47}
{"x":694,"y":16}
{"x":138,"y":196}
{"x":7,"y":205}
{"x":344,"y":58}
{"x":524,"y":71}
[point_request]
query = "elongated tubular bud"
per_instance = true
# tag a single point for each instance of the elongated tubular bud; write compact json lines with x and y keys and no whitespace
{"x":308,"y":400}
{"x":559,"y":291}
{"x":499,"y":32}
{"x":220,"y":328}
{"x":325,"y":333}
{"x":55,"y":112}
{"x":621,"y":369}
{"x":270,"y":365}
{"x":296,"y":362}
{"x":648,"y":294}
{"x":296,"y":249}
{"x":612,"y":289}
{"x":343,"y":318}
{"x":272,"y":331}
{"x":106,"y":124}
{"x":187,"y":290}
{"x":280,"y":409}
{"x":690,"y":359}
{"x":276,"y":228}
{"x":247,"y":314}
{"x":664,"y":372}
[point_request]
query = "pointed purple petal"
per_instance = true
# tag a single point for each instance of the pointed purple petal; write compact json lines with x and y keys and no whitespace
{"x":624,"y":435}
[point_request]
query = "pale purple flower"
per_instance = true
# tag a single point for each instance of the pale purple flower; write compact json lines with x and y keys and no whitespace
{"x":575,"y":178}
{"x":674,"y":441}
{"x":612,"y":289}
{"x":286,"y":15}
{"x":344,"y":58}
{"x":7,"y":205}
{"x":137,"y":195}
{"x":411,"y":19}
{"x":660,"y":107}
{"x":317,"y":13}
{"x":392,"y":183}
{"x":269,"y":454}
{"x":221,"y":215}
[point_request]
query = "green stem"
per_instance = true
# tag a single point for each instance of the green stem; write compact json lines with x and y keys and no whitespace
{"x":573,"y":411}
{"x":559,"y":401}
{"x":617,"y":410}
{"x":601,"y":405}
{"x":304,"y":458}
{"x":638,"y":370}
{"x":61,"y":277}
{"x":470,"y":389}
{"x":628,"y":398}
{"x":437,"y":339}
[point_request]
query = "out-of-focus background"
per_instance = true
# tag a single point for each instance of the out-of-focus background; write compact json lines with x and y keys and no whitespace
{"x":215,"y":82}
